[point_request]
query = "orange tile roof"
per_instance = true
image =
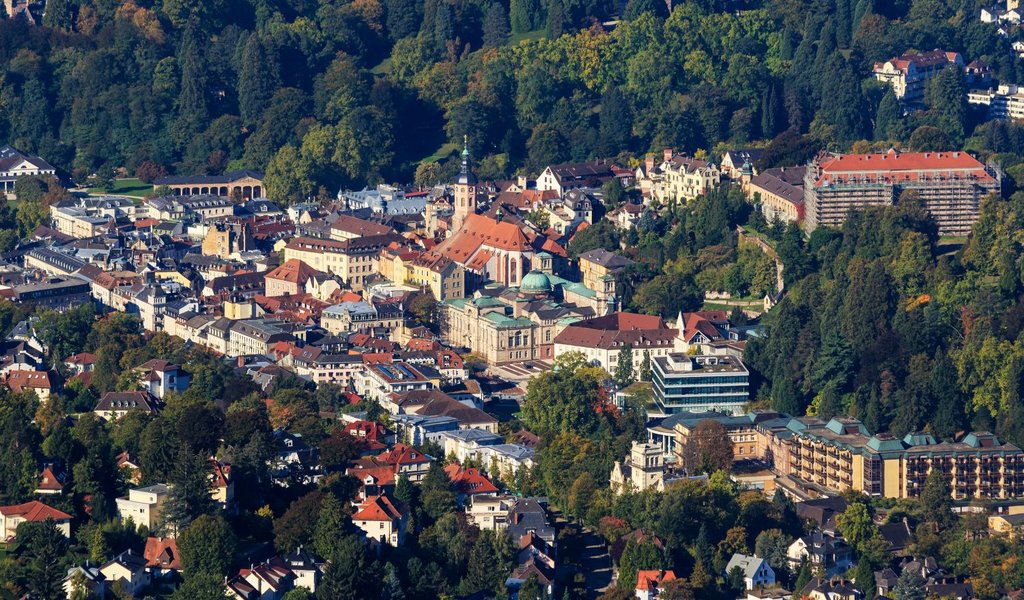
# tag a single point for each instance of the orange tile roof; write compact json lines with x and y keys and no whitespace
{"x":377,"y":508}
{"x":653,"y":580}
{"x":894,"y":166}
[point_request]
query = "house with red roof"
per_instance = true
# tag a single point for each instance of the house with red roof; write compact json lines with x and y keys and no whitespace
{"x":649,"y":584}
{"x":469,"y":482}
{"x":31,"y":512}
{"x":295,"y":277}
{"x":42,"y":383}
{"x":51,"y":481}
{"x":269,"y":580}
{"x":381,"y":520}
{"x":162,"y":557}
{"x":381,"y":471}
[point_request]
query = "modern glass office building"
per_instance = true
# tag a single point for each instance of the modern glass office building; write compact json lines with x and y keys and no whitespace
{"x":700,"y":383}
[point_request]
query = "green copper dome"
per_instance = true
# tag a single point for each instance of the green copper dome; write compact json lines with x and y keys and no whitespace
{"x":535,"y":281}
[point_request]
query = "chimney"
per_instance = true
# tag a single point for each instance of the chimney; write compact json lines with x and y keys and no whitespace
{"x":649,"y":164}
{"x":668,"y":153}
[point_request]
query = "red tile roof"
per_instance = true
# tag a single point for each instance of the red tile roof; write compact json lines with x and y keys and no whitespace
{"x":616,"y":330}
{"x":469,"y":481}
{"x":162,"y":553}
{"x":21,"y":380}
{"x":34,"y":511}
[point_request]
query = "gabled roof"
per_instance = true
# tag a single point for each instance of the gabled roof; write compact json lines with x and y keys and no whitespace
{"x":377,"y":508}
{"x":653,"y":580}
{"x":127,"y":401}
{"x":469,"y":481}
{"x":162,"y":553}
{"x":34,"y":511}
{"x":295,"y":271}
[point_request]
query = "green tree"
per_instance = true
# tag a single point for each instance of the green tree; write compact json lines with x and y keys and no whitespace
{"x":889,"y":118}
{"x":203,"y":586}
{"x":638,"y":556}
{"x":708,"y":448}
{"x":392,"y":585}
{"x":43,"y":547}
{"x":562,"y":399}
{"x":525,"y":15}
{"x":189,"y":497}
{"x":531,"y":589}
{"x":207,"y":546}
{"x":909,"y":586}
{"x":350,"y":575}
{"x":331,"y":524}
{"x":936,"y":500}
{"x":496,"y":27}
{"x":624,"y":374}
{"x":856,"y":525}
{"x":645,"y":367}
{"x":258,"y":78}
{"x":615,"y":123}
{"x":435,"y":492}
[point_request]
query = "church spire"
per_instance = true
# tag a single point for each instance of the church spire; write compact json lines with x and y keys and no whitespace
{"x":466,"y":176}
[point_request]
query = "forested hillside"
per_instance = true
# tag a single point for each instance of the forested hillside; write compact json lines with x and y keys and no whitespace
{"x":344,"y":93}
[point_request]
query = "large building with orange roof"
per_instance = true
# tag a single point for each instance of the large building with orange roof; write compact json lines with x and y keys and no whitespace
{"x":950,"y":185}
{"x":491,"y":249}
{"x":909,"y":74}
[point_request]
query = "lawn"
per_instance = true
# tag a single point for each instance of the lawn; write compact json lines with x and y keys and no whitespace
{"x":124,"y":187}
{"x":516,"y":38}
{"x":441,"y":153}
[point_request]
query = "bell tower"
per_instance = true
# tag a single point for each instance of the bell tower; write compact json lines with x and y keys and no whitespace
{"x":465,"y":190}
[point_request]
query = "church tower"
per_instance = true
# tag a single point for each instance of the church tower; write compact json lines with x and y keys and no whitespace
{"x":465,"y":190}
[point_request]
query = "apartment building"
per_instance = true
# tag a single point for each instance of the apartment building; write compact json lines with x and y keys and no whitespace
{"x":677,"y":177}
{"x":603,"y":339}
{"x":143,"y":506}
{"x":1004,"y":103}
{"x":841,"y":454}
{"x":682,"y":382}
{"x":353,"y":260}
{"x":951,"y":185}
{"x":909,"y":73}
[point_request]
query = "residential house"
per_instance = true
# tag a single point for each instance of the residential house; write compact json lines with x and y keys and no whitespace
{"x":162,"y":558}
{"x":756,"y":571}
{"x":33,"y":512}
{"x":268,"y":580}
{"x":599,"y":269}
{"x":41,"y":383}
{"x":831,"y":588}
{"x":114,"y":405}
{"x":491,"y":512}
{"x":158,"y":377}
{"x":643,"y":469}
{"x":51,"y":481}
{"x":824,"y":551}
{"x":381,"y":521}
{"x":380,"y":382}
{"x":85,"y":580}
{"x":352,"y":260}
{"x":128,"y":572}
{"x":143,"y":506}
{"x":651,"y":584}
{"x":295,"y":277}
{"x":469,"y":483}
{"x":564,"y":177}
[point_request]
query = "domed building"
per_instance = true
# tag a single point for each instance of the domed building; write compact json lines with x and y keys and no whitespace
{"x":535,"y":283}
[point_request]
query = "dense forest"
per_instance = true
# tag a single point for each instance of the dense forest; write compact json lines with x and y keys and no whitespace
{"x":345,"y":93}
